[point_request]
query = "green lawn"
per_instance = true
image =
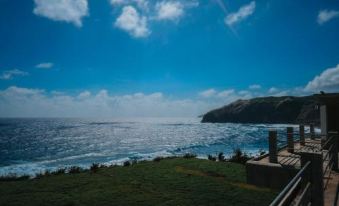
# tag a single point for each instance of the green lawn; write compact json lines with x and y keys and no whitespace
{"x":175,"y":181}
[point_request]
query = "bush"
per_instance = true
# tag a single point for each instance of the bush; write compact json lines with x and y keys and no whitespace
{"x":74,"y":170}
{"x":190,"y":155}
{"x":127,"y":163}
{"x":59,"y":171}
{"x":221,"y":157}
{"x":212,"y":158}
{"x":47,"y":173}
{"x":158,"y":159}
{"x":104,"y":166}
{"x":39,"y":175}
{"x":239,"y":157}
{"x":94,"y":167}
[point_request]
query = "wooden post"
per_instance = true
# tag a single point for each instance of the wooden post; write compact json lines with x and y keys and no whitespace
{"x":302,"y":134}
{"x":315,"y":175}
{"x":272,"y":146}
{"x":290,"y":142}
{"x":312,"y":131}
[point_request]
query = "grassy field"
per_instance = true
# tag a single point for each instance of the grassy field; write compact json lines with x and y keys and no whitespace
{"x":175,"y":181}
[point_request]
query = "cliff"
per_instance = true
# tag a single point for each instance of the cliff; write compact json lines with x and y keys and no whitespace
{"x":287,"y":109}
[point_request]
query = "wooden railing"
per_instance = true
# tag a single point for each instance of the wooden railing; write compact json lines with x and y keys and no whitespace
{"x":307,"y":187}
{"x":330,"y":157}
{"x":296,"y":186}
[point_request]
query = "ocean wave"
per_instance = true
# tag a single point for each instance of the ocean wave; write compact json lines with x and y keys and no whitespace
{"x":36,"y":145}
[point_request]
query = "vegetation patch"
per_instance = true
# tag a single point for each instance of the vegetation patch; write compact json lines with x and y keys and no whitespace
{"x":171,"y":181}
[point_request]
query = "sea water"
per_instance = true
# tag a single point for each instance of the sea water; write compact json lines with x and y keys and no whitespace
{"x":29,"y":146}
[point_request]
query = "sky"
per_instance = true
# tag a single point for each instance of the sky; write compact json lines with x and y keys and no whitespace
{"x":161,"y":58}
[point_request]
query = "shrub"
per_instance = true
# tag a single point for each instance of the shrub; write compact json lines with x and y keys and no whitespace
{"x":190,"y":155}
{"x":239,"y":157}
{"x":74,"y":170}
{"x":212,"y":158}
{"x":158,"y":159}
{"x":104,"y":166}
{"x":59,"y":171}
{"x":221,"y":157}
{"x":39,"y":175}
{"x":47,"y":173}
{"x":127,"y":163}
{"x":94,"y":167}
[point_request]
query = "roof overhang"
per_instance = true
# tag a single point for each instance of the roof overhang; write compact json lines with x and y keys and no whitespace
{"x":328,"y":98}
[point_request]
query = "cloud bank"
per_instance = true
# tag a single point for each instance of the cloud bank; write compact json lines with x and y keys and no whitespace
{"x":26,"y":102}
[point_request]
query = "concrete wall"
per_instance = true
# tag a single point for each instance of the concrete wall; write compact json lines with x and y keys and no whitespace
{"x":269,"y":175}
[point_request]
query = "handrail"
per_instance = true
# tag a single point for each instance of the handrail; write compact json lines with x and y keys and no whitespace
{"x":328,"y":140}
{"x":289,"y":186}
{"x":302,"y":196}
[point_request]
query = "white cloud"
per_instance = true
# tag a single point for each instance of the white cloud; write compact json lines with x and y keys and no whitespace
{"x":273,"y":90}
{"x":133,"y":23}
{"x":9,"y":74}
{"x":244,"y":12}
{"x":169,"y":10}
{"x":118,"y":2}
{"x":326,"y":15}
{"x":226,"y":93}
{"x":208,"y":93}
{"x":71,"y":11}
{"x":255,"y":86}
{"x":84,"y":95}
{"x":327,"y":81}
{"x":225,"y":96}
{"x":141,"y":4}
{"x":23,"y":91}
{"x":44,"y":65}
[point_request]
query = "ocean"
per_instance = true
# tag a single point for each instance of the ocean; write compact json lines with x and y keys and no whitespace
{"x":30,"y":146}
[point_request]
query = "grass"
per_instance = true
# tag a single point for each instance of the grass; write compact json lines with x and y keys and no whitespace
{"x":171,"y":181}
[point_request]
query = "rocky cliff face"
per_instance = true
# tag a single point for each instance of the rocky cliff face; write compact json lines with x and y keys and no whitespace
{"x":284,"y":110}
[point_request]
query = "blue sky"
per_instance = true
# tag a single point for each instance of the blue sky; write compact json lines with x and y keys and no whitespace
{"x":188,"y":56}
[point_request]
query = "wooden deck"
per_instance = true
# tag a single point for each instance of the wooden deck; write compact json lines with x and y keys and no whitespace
{"x":287,"y":159}
{"x":331,"y":189}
